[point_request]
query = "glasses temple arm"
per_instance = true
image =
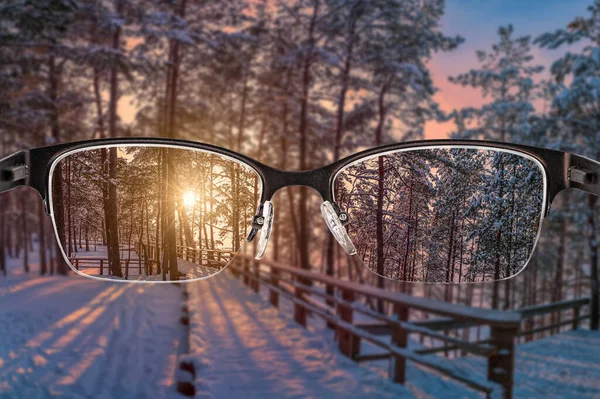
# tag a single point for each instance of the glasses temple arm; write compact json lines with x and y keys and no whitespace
{"x":583,"y":174}
{"x":14,"y":171}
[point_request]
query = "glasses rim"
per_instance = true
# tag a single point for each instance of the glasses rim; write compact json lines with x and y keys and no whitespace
{"x":562,"y":170}
{"x":543,"y":210}
{"x":66,"y":154}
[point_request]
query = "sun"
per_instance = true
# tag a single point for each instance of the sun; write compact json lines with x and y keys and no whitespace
{"x":189,"y":198}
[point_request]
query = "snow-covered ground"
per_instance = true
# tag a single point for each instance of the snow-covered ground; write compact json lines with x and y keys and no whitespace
{"x":73,"y":337}
{"x":243,"y":348}
{"x":79,"y":338}
{"x":561,"y":366}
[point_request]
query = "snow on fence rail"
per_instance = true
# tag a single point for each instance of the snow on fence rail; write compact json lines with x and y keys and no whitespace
{"x":296,"y":284}
{"x":573,"y":305}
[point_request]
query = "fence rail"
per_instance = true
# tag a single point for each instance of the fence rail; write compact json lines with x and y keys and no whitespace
{"x":146,"y":256}
{"x":300,"y":286}
{"x":204,"y":256}
{"x":100,"y":263}
{"x":573,"y":305}
{"x":305,"y":289}
{"x":212,"y":257}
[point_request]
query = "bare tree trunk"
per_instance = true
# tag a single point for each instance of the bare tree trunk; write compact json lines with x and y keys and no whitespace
{"x":282,"y":166}
{"x":380,"y":194}
{"x":188,"y":237}
{"x":212,"y":209}
{"x":69,"y":210}
{"x":172,"y":92}
{"x":304,"y":228}
{"x":57,"y":190}
{"x":2,"y":241}
{"x":164,"y":211}
{"x":159,"y":216}
{"x":110,"y":197}
{"x":405,"y":273}
{"x":111,"y":216}
{"x":24,"y":231}
{"x":497,"y":266}
{"x":170,"y":231}
{"x":379,"y":232}
{"x":558,"y":273}
{"x":593,"y":247}
{"x":339,"y":133}
{"x":130,"y":235}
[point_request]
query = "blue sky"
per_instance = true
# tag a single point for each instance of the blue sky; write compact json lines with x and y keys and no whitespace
{"x":477,"y":21}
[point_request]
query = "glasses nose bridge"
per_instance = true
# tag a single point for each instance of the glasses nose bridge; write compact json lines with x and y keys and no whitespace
{"x":317,"y":179}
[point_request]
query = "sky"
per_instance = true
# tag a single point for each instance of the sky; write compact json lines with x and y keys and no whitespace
{"x":477,"y":21}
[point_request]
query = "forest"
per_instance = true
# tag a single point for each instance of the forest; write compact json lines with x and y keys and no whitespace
{"x":162,"y":198}
{"x":444,"y":215}
{"x":295,"y":84}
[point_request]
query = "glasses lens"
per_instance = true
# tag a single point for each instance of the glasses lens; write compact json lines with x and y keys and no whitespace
{"x":443,"y":214}
{"x":151,"y":213}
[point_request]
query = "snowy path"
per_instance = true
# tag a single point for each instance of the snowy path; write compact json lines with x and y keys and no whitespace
{"x":244,"y":348}
{"x":72,"y":337}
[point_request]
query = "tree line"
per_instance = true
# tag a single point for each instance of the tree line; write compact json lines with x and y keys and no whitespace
{"x":295,"y":84}
{"x":205,"y":202}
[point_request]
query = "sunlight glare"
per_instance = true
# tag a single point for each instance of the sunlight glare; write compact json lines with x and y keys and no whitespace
{"x":189,"y":198}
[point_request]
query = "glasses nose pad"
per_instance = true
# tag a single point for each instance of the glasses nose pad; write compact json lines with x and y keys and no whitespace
{"x":332,"y":219}
{"x":266,"y":222}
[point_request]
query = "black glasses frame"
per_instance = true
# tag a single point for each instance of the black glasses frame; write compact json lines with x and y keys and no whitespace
{"x":563,"y":170}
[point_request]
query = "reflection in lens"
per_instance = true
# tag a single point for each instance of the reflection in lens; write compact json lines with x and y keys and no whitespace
{"x":151,"y":213}
{"x":443,"y":214}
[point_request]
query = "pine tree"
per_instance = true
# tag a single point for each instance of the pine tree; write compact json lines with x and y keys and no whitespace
{"x":575,"y":110}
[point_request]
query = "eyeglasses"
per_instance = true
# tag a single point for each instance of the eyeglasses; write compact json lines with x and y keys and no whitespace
{"x":151,"y":209}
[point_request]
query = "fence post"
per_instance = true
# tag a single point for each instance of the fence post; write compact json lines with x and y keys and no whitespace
{"x":255,"y":282}
{"x":501,"y":365}
{"x":234,"y":268}
{"x":399,"y":339}
{"x":274,"y":295}
{"x":349,"y":344}
{"x":576,"y":312}
{"x":77,"y":264}
{"x":101,"y":267}
{"x":299,"y":310}
{"x":246,"y":271}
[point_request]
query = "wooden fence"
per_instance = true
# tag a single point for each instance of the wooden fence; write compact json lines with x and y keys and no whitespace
{"x":100,"y":263}
{"x":202,"y":256}
{"x":208,"y":257}
{"x":306,"y":290}
{"x":573,"y":307}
